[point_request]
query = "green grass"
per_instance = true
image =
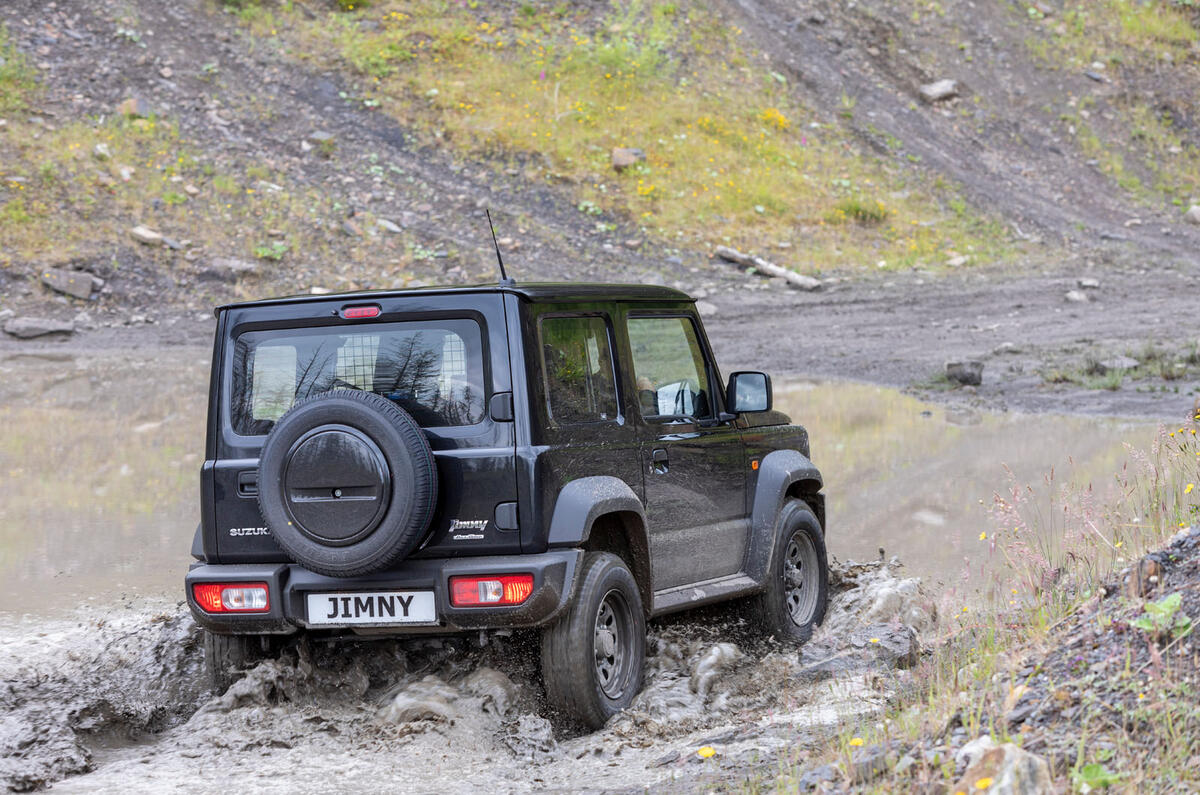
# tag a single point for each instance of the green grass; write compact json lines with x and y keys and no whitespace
{"x":17,"y":79}
{"x":1136,"y":141}
{"x":731,"y":156}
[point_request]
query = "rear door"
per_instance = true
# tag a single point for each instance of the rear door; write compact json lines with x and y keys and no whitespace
{"x":580,"y":416}
{"x":443,"y":358}
{"x":694,"y":462}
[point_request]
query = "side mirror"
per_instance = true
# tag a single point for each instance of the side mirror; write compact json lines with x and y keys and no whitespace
{"x":748,"y":391}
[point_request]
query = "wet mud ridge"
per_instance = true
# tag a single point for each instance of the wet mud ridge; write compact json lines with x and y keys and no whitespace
{"x":98,"y":703}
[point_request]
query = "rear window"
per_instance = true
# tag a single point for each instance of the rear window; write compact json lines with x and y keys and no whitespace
{"x":432,"y":369}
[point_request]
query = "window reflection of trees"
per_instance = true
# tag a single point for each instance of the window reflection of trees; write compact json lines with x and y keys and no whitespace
{"x":433,"y":375}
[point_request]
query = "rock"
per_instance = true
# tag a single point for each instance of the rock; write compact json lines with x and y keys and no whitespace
{"x":102,"y":152}
{"x":388,"y":226}
{"x":1144,"y":578}
{"x":191,"y":190}
{"x":633,"y":243}
{"x":894,"y":644}
{"x":623,"y":158}
{"x":226,"y":269}
{"x":5,"y":314}
{"x":1192,"y":216}
{"x":869,"y":763}
{"x":1089,"y":284}
{"x":126,"y":172}
{"x":145,"y":235}
{"x":136,"y":107}
{"x":1012,"y":771}
{"x":1076,"y":297}
{"x":321,"y":138}
{"x":958,"y":261}
{"x":29,"y":327}
{"x":973,"y":751}
{"x":1005,"y":347}
{"x":350,"y":228}
{"x":939,"y":90}
{"x":813,"y":778}
{"x":73,"y":283}
{"x":706,"y":308}
{"x":1090,"y":75}
{"x":1116,"y":363}
{"x":968,"y":372}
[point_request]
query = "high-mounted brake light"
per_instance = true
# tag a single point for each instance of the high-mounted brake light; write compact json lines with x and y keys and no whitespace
{"x":360,"y":312}
{"x":493,"y":590}
{"x":232,"y":597}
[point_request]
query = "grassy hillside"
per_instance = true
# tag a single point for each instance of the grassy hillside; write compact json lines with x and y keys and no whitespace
{"x":731,"y":156}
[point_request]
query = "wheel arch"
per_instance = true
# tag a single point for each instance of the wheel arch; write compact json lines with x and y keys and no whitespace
{"x":602,"y":513}
{"x":782,"y":475}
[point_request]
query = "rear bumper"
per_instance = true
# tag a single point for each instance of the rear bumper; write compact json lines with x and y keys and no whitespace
{"x":290,"y":584}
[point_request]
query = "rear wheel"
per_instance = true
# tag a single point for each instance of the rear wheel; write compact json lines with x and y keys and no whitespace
{"x":797,"y":593}
{"x":592,"y":657}
{"x":228,"y":657}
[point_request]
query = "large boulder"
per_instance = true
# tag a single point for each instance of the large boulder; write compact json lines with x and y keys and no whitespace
{"x":1006,"y":770}
{"x":29,"y":327}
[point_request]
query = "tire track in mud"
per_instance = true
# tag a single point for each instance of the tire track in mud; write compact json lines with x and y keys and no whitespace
{"x":106,"y":703}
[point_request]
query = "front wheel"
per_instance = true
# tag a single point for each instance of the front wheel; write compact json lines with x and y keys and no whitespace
{"x":592,"y":657}
{"x":797,"y":593}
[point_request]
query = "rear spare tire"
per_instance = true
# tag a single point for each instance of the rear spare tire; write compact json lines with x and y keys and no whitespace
{"x":347,"y":483}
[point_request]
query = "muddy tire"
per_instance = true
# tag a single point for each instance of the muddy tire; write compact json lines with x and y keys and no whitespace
{"x":347,"y":483}
{"x":227,"y":657}
{"x":797,"y":593}
{"x":592,"y":658}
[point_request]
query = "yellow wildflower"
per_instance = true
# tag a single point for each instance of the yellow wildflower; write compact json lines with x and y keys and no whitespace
{"x":856,"y":741}
{"x":705,"y":751}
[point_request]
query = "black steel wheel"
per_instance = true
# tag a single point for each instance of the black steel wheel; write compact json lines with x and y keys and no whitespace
{"x":592,"y":657}
{"x":793,"y":603}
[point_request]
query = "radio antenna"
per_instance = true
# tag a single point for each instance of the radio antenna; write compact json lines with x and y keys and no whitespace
{"x":504,"y":280}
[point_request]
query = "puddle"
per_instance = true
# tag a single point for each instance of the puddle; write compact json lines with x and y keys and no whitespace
{"x":916,"y":479}
{"x":100,"y":456}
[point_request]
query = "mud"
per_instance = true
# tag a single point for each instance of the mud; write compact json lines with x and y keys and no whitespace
{"x":114,"y":702}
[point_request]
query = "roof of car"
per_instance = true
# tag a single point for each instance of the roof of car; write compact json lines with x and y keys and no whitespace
{"x":531,"y":291}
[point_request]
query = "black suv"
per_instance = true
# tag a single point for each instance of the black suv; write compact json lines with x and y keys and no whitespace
{"x":563,"y":456}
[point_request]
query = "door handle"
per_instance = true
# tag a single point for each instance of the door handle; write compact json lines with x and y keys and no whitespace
{"x":659,"y":462}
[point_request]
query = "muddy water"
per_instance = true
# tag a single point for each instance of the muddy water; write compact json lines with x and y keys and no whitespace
{"x":100,"y":683}
{"x":916,"y":478}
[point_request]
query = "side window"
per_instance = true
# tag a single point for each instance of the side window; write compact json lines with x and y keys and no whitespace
{"x":668,"y":363}
{"x":578,"y":370}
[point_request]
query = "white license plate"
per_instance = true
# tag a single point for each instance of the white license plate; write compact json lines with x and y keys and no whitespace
{"x":372,"y":607}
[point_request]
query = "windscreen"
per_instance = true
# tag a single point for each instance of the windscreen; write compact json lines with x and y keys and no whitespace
{"x":433,"y":369}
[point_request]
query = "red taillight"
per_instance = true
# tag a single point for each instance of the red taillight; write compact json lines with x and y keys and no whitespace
{"x":490,"y":590}
{"x":360,"y":312}
{"x":232,"y":597}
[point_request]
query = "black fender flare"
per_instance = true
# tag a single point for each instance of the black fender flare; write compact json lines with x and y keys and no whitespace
{"x":777,"y":473}
{"x":581,"y":502}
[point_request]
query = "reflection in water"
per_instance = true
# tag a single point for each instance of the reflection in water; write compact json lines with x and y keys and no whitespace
{"x":100,"y":458}
{"x":916,"y":479}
